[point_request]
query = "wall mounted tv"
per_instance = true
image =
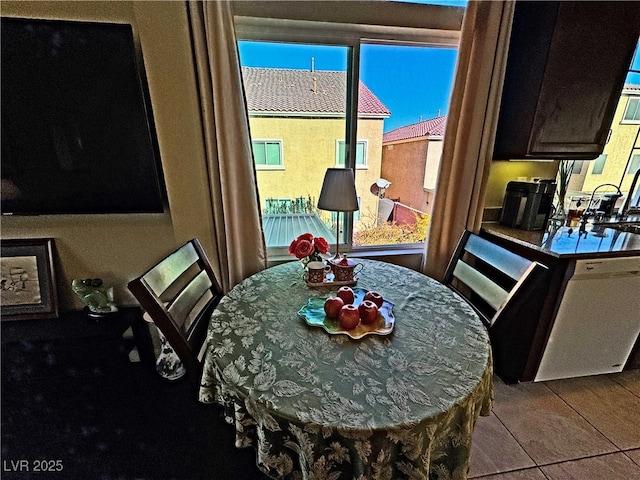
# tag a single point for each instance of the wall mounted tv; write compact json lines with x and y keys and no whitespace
{"x":77,"y":128}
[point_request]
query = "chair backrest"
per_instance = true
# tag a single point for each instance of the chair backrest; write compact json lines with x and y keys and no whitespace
{"x":489,"y":276}
{"x":179,"y":294}
{"x":506,"y":290}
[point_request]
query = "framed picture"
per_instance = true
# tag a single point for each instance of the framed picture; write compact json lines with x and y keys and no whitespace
{"x":28,"y":282}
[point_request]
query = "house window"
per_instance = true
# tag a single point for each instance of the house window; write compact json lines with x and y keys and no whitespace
{"x":267,"y":153}
{"x":331,"y":94}
{"x":577,"y":167}
{"x":361,"y":154}
{"x":632,"y":112}
{"x":598,"y":164}
{"x":634,"y":164}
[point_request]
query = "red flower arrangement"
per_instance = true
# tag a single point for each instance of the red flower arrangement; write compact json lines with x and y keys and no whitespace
{"x":308,"y":248}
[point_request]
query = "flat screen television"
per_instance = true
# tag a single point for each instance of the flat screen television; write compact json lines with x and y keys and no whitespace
{"x":77,"y":127}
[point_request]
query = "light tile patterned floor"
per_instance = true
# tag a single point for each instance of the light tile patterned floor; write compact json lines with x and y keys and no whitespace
{"x":575,"y":429}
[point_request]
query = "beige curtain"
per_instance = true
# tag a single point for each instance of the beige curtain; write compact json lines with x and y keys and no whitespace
{"x":240,"y":246}
{"x":468,"y":145}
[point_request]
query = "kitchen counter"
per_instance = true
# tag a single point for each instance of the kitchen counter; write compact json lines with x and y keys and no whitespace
{"x":564,"y":242}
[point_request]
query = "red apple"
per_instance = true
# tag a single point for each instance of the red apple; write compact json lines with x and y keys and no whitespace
{"x":375,"y":297}
{"x":346,"y":294}
{"x":332,"y":306}
{"x":349,"y":317}
{"x":368,"y":312}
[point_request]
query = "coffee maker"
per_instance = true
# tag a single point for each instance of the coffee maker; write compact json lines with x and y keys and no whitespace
{"x":527,"y":205}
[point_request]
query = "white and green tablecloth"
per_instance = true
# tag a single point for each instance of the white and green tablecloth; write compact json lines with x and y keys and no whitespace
{"x":320,"y":406}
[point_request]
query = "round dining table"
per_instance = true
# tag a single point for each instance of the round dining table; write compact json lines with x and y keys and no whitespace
{"x":317,"y":404}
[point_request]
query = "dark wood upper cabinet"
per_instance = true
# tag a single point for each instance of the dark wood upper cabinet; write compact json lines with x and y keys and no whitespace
{"x":566,"y":67}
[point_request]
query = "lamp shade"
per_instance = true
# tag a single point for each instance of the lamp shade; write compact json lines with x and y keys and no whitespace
{"x":338,"y":192}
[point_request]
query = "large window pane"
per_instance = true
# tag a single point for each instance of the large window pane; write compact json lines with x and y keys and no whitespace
{"x":415,"y":83}
{"x":295,"y":93}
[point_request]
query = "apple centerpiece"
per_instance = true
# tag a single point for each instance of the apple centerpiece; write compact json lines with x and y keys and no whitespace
{"x":341,"y":307}
{"x":349,"y":317}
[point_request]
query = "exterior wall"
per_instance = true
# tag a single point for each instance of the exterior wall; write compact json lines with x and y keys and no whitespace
{"x":403,"y":165}
{"x":309,"y":147}
{"x":118,"y":248}
{"x":618,"y":150}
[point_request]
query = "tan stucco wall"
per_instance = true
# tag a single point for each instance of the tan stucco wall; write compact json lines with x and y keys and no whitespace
{"x":309,"y":148}
{"x":404,"y":166}
{"x":118,"y":248}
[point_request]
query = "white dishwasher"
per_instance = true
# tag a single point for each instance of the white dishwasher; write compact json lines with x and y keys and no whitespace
{"x":598,"y":320}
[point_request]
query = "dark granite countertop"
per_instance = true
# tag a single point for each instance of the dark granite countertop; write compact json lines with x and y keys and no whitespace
{"x":565,"y":242}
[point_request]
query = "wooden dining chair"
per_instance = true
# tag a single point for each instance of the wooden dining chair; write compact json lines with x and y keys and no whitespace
{"x":179,"y":294}
{"x":506,"y":290}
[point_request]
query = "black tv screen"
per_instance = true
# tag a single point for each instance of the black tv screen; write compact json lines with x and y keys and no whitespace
{"x":77,"y":128}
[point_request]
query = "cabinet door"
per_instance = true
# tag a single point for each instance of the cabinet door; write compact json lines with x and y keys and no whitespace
{"x":590,"y":54}
{"x":565,"y":71}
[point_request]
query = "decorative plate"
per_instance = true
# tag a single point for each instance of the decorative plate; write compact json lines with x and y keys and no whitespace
{"x":313,"y":314}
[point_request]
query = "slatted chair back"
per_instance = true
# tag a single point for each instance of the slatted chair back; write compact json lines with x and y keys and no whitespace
{"x":179,"y":294}
{"x":489,"y":276}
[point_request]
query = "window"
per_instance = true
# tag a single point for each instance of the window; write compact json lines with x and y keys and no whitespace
{"x":598,"y":164}
{"x":361,"y":154}
{"x":634,"y":164}
{"x":577,"y":167}
{"x":267,"y":153}
{"x":632,"y":112}
{"x":331,"y":97}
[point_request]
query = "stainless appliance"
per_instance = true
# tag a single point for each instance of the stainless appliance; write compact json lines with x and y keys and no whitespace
{"x":598,"y":320}
{"x":527,"y":205}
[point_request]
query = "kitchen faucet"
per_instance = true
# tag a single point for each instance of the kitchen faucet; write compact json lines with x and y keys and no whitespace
{"x":625,"y":208}
{"x":589,"y":210}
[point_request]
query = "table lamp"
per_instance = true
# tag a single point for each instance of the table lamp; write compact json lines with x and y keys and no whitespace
{"x":338,"y":194}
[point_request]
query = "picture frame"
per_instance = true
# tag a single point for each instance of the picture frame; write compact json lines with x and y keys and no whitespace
{"x":28,"y":289}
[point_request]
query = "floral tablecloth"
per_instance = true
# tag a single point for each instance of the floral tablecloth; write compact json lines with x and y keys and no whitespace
{"x":321,"y":406}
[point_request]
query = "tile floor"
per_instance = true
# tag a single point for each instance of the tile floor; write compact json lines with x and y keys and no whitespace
{"x":575,"y":429}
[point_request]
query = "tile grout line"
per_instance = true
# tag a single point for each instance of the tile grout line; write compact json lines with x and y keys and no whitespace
{"x":624,"y":386}
{"x":568,"y":460}
{"x":619,"y":449}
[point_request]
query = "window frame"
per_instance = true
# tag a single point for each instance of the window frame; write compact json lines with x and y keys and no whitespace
{"x":633,"y":162}
{"x":636,"y":119}
{"x":265,"y":141}
{"x":388,"y":23}
{"x":360,"y":166}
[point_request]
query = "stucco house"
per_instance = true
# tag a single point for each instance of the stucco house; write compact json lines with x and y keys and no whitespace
{"x":410,"y":160}
{"x":297,"y":122}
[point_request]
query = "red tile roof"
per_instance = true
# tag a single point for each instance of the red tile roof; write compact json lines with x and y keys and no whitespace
{"x":277,"y":90}
{"x":433,"y":126}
